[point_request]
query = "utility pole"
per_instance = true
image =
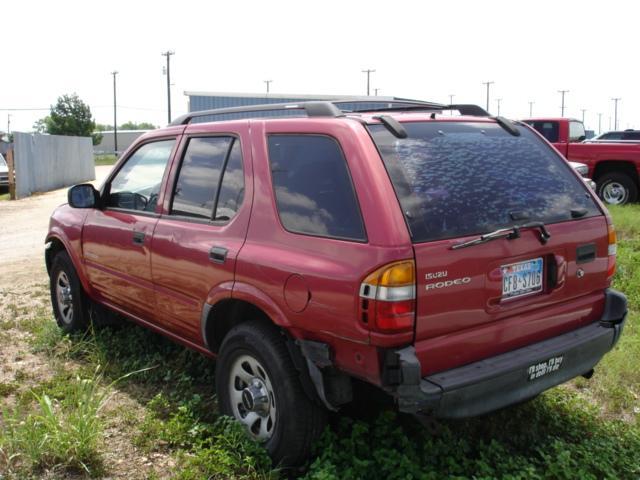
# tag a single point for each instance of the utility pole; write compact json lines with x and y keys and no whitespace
{"x":268,"y":82}
{"x":368,"y":72}
{"x":8,"y":125}
{"x":615,"y":114}
{"x":563,"y":92}
{"x":168,"y":54}
{"x":599,"y":123}
{"x":531,"y":109}
{"x":583,"y":111}
{"x":375,"y":91}
{"x":115,"y":117}
{"x":451,"y":95}
{"x":488,"y":84}
{"x":498,"y":100}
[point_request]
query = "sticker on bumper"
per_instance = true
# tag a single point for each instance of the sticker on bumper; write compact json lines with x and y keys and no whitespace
{"x":541,"y":369}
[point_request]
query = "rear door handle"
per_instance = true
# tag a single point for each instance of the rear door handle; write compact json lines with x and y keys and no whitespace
{"x":218,"y":254}
{"x":138,"y":238}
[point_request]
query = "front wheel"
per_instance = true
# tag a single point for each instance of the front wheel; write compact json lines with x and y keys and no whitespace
{"x":258,"y":385}
{"x":617,"y":188}
{"x":67,"y":297}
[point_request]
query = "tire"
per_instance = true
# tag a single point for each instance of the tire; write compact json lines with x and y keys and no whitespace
{"x":68,"y":300}
{"x":617,"y":188}
{"x":254,"y":368}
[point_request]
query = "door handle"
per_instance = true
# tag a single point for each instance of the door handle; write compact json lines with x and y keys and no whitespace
{"x":138,"y":238}
{"x":218,"y":254}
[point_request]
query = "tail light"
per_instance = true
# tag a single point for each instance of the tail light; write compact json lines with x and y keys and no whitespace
{"x":388,"y":298}
{"x":611,"y":252}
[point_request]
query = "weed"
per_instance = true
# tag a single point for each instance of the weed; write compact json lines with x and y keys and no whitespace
{"x":61,"y":433}
{"x":7,"y":389}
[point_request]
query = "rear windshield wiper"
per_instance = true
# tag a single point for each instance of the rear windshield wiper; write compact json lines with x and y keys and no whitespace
{"x":508,"y":233}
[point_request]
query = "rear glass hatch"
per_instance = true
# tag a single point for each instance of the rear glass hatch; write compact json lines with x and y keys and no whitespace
{"x":498,"y":222}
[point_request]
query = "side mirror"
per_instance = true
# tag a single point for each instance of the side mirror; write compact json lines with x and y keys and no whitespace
{"x":83,"y":196}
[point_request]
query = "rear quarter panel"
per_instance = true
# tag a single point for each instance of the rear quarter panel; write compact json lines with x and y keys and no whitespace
{"x":331,"y":270}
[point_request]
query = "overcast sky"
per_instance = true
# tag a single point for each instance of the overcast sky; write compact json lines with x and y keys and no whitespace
{"x":425,"y":50}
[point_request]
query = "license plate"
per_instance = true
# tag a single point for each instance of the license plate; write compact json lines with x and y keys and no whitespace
{"x":522,"y":278}
{"x":541,"y":369}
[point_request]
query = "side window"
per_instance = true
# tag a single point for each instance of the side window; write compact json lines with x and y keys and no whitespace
{"x":232,"y":187}
{"x":195,"y":191}
{"x":313,"y":189}
{"x":612,"y":136}
{"x":631,"y":135}
{"x":576,"y":132}
{"x":137,"y":185}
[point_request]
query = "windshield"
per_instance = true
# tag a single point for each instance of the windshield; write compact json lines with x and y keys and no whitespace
{"x":3,"y":163}
{"x":458,"y":179}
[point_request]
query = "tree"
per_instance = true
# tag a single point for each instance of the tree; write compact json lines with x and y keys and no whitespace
{"x":137,"y":126}
{"x":40,"y":126}
{"x":71,"y":116}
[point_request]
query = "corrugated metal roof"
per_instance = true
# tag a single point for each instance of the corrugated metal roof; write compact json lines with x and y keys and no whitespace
{"x":280,"y":96}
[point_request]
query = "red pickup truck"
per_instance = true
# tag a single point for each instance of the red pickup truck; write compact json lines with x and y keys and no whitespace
{"x":613,"y":166}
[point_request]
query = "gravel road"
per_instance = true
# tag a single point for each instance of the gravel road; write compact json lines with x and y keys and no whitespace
{"x":23,"y":226}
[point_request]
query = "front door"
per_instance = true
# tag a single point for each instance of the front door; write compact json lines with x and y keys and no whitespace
{"x":116,"y":240}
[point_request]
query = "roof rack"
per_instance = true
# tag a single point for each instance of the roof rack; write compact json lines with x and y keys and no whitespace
{"x":330,"y":108}
{"x":312,"y":109}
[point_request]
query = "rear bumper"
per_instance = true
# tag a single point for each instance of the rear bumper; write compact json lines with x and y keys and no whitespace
{"x":511,"y":377}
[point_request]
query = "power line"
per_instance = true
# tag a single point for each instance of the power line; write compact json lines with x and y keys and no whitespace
{"x":168,"y":54}
{"x":115,"y":120}
{"x":24,"y":109}
{"x":599,"y":123}
{"x":488,"y":84}
{"x":368,"y":72}
{"x":563,"y":92}
{"x":615,"y":115}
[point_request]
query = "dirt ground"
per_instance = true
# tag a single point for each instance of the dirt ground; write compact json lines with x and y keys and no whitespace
{"x":23,"y":226}
{"x":24,"y":293}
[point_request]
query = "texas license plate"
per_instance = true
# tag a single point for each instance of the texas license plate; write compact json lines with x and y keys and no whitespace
{"x":541,"y":369}
{"x":522,"y":278}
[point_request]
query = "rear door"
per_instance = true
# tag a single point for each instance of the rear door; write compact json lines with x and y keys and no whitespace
{"x":458,"y":181}
{"x":203,"y":227}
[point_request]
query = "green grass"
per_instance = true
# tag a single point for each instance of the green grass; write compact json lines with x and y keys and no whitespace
{"x":63,"y":431}
{"x":4,"y":196}
{"x":105,"y":159}
{"x":589,"y":429}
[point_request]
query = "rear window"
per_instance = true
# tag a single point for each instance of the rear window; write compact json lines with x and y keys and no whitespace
{"x":548,"y":130}
{"x":458,"y":179}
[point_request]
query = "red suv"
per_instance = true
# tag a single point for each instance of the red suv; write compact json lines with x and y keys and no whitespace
{"x":456,"y":262}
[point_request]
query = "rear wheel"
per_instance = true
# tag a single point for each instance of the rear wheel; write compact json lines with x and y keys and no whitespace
{"x":617,"y":188}
{"x":258,"y":385}
{"x":67,"y":297}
